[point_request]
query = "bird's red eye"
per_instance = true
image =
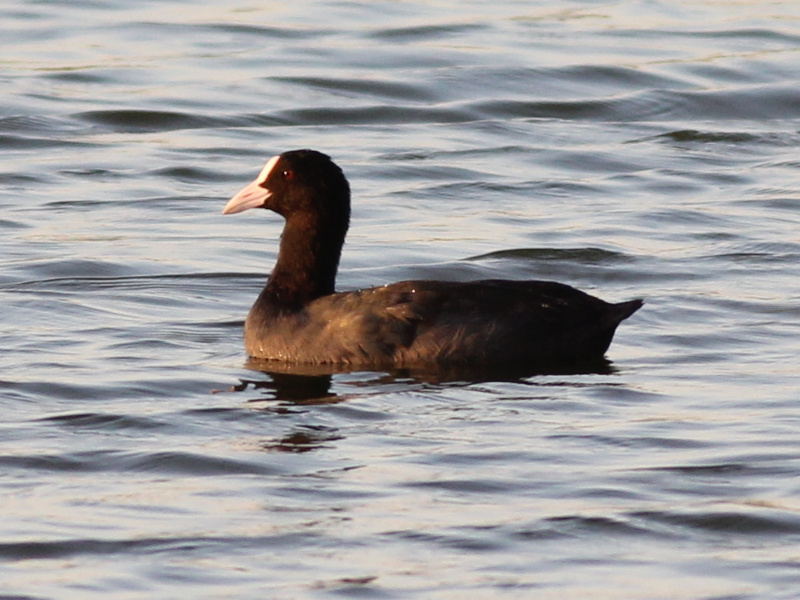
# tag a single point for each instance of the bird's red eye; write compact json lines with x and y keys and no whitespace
{"x":288,"y":174}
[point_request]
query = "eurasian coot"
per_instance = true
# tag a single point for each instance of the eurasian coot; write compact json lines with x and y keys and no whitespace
{"x":299,"y":318}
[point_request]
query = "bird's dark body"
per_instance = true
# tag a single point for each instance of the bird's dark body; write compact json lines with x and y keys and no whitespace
{"x":418,"y":322}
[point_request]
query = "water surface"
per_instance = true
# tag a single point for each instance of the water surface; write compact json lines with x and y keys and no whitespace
{"x":632,"y":149}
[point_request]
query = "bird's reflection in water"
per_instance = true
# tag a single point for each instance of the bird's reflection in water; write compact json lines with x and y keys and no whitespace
{"x":311,"y":384}
{"x":282,"y":391}
{"x":292,"y":389}
{"x":303,"y":439}
{"x":292,"y":385}
{"x":470,"y":374}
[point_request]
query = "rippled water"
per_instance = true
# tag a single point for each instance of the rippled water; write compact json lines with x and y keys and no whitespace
{"x":629,"y":148}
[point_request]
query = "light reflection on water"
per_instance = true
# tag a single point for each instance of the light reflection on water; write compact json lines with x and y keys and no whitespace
{"x":627,"y":149}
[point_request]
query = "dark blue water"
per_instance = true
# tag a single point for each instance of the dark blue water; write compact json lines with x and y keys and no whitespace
{"x":631,"y":148}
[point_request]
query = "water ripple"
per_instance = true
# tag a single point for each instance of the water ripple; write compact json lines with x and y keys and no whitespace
{"x":627,"y":148}
{"x":177,"y":463}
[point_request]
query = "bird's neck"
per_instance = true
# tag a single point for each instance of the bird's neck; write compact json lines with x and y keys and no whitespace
{"x":307,"y":262}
